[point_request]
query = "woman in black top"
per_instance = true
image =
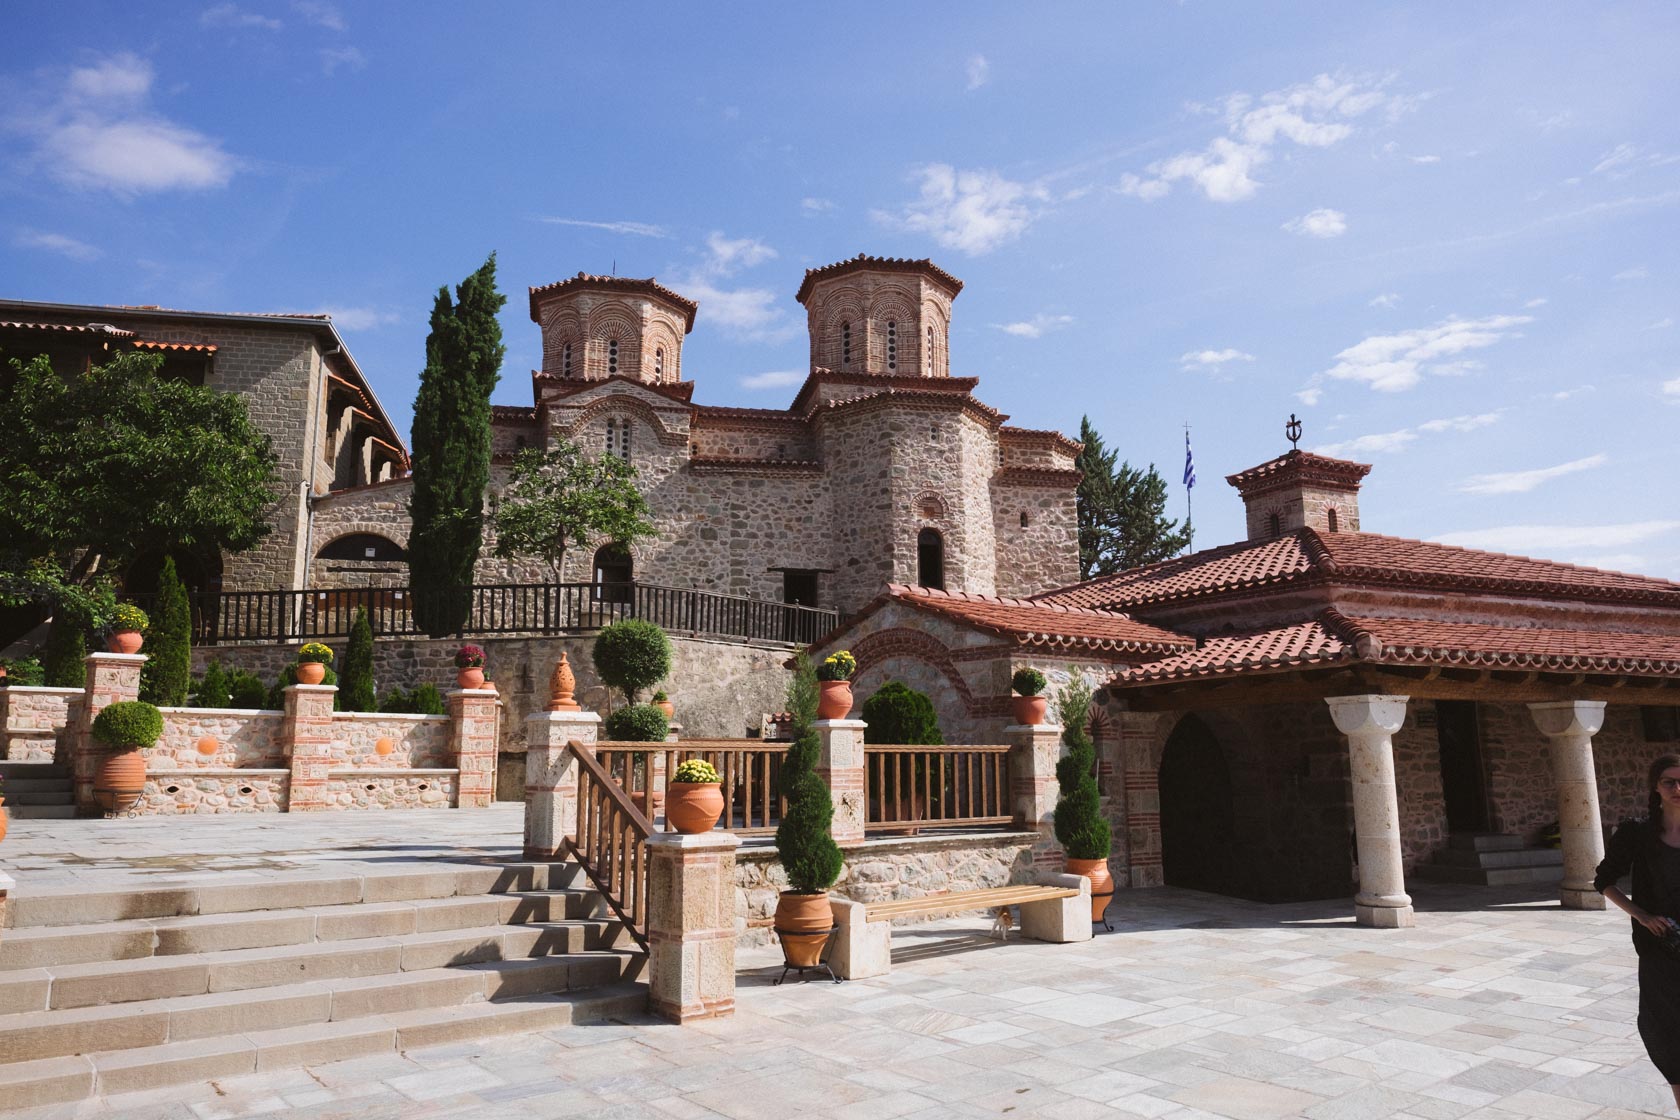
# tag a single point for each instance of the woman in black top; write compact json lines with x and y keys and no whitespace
{"x":1650,"y":848}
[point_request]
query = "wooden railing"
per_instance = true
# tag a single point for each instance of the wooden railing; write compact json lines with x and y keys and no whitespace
{"x":750,"y":769}
{"x":611,"y":842}
{"x":914,"y":787}
{"x":512,"y":608}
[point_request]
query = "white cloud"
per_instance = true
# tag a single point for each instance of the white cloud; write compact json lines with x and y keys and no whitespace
{"x":637,"y":229}
{"x":1579,"y":390}
{"x":816,"y":205}
{"x":1387,"y":301}
{"x":1639,"y":273}
{"x":56,"y":243}
{"x":1540,"y":302}
{"x":729,"y":256}
{"x":775,"y":379}
{"x":332,"y":58}
{"x":320,"y":14}
{"x":1322,"y":222}
{"x":1036,"y":326}
{"x":979,"y":70}
{"x":1626,"y":159}
{"x":1467,"y":423}
{"x":1425,"y":159}
{"x":1521,"y":482}
{"x":97,"y":131}
{"x":1310,"y":395}
{"x":1313,"y":115}
{"x":1387,"y":443}
{"x":1391,"y":363}
{"x":1213,"y":359}
{"x":751,"y":313}
{"x":1661,"y":324}
{"x":359,"y":318}
{"x":1671,"y":390}
{"x":1543,"y":539}
{"x":973,"y":211}
{"x":231,"y":15}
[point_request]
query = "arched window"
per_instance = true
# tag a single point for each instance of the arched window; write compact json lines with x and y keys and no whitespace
{"x":618,"y":437}
{"x":363,"y":546}
{"x":930,"y":559}
{"x":1330,"y":516}
{"x":1024,"y":521}
{"x":845,"y":345}
{"x":892,"y":344}
{"x":659,"y":363}
{"x":612,"y":356}
{"x":615,"y":573}
{"x":930,"y":352}
{"x":566,"y":359}
{"x":1274,"y":525}
{"x":612,"y":436}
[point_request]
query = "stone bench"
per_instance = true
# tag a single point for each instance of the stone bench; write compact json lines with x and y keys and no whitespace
{"x":1058,"y":910}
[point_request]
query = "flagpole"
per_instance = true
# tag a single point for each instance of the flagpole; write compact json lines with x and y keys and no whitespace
{"x":1189,"y":493}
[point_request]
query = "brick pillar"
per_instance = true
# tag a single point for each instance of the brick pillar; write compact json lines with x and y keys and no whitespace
{"x":1369,"y":722}
{"x":111,"y":677}
{"x":691,"y":925}
{"x":472,"y":734}
{"x":306,"y":738}
{"x":1033,"y":788}
{"x":1141,"y":783}
{"x":841,"y":765}
{"x":551,"y":778}
{"x":1571,"y":725}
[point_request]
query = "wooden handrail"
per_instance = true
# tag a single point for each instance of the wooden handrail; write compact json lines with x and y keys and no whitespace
{"x":911,"y":786}
{"x":611,"y":842}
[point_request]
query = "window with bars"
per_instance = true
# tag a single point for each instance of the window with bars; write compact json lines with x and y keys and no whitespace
{"x":618,"y":437}
{"x":930,"y":352}
{"x":566,"y":359}
{"x":892,"y":344}
{"x":845,"y":345}
{"x":612,"y":356}
{"x":659,"y":362}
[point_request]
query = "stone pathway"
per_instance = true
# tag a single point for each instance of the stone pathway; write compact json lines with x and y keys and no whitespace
{"x":1498,"y":1005}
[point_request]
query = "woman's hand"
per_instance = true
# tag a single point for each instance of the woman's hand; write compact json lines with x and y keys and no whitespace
{"x":1657,"y":925}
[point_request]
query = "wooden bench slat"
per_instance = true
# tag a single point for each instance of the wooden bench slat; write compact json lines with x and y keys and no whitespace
{"x":929,"y":905}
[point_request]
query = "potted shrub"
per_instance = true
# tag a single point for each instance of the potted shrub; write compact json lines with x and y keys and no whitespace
{"x":469,"y":667}
{"x":128,"y":629}
{"x":639,"y":723}
{"x":834,"y":685}
{"x":1080,"y":828}
{"x":694,"y":797}
{"x":804,"y":845}
{"x":1030,"y":705}
{"x":663,"y":703}
{"x":126,"y":728}
{"x":900,"y":788}
{"x":312,"y":662}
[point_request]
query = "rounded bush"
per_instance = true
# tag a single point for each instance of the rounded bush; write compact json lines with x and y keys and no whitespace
{"x":639,"y":723}
{"x":899,"y":714}
{"x":128,"y":723}
{"x":1028,"y":682}
{"x":632,"y":655}
{"x":246,"y":690}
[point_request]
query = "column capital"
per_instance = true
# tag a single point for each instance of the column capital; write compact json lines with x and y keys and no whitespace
{"x":1568,"y":717}
{"x":839,"y":725}
{"x":574,"y":719}
{"x":1368,"y":714}
{"x":713,"y":841}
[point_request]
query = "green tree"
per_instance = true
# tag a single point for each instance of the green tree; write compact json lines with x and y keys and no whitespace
{"x":563,"y":497}
{"x":804,"y":839}
{"x":166,"y":677}
{"x":451,"y":460}
{"x":632,"y":655}
{"x":898,"y":713}
{"x":63,"y":657}
{"x":213,"y":689}
{"x":1121,"y":511}
{"x":1079,"y":824}
{"x":355,"y":685}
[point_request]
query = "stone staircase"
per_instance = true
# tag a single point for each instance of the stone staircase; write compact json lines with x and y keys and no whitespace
{"x":105,"y":992}
{"x":38,"y":790}
{"x":1491,"y":859}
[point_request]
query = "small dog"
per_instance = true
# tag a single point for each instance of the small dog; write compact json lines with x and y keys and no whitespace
{"x":1002,"y":920}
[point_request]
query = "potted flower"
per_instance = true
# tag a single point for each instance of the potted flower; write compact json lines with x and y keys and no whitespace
{"x":128,"y":629}
{"x":663,"y":703}
{"x":469,"y":667}
{"x":805,"y":846}
{"x":834,"y":685}
{"x":127,"y":728}
{"x":694,"y":797}
{"x":1030,"y":705}
{"x":1080,"y":827}
{"x":312,"y":662}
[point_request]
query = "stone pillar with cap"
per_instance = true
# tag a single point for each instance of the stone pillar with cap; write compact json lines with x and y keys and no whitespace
{"x":1570,"y":726}
{"x":1033,"y":789}
{"x":841,"y":765}
{"x":550,"y":770}
{"x":1369,"y":722}
{"x":111,"y":677}
{"x":691,"y":925}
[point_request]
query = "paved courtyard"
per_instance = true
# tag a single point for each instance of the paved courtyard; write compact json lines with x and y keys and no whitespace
{"x":1497,"y":1005}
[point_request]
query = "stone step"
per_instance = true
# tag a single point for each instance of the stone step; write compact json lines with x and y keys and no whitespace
{"x":17,"y":787}
{"x":102,"y":983}
{"x":45,"y":946}
{"x":1484,"y":841}
{"x":1488,"y":877}
{"x":30,"y":798}
{"x":16,"y":770}
{"x":33,"y":1035}
{"x":1518,"y":857}
{"x":72,"y":906}
{"x":40,"y":812}
{"x":58,"y":1080}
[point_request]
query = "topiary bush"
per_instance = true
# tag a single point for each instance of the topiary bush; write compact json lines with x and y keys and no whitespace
{"x":355,"y":691}
{"x":1080,"y":827}
{"x":213,"y":690}
{"x":246,"y":690}
{"x":898,"y":713}
{"x":424,"y":700}
{"x":128,"y":723}
{"x":805,"y":846}
{"x":1028,"y":681}
{"x":167,"y":675}
{"x":638,"y":723}
{"x":632,"y":655}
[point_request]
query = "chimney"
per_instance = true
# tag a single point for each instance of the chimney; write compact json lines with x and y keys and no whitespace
{"x":1299,"y":488}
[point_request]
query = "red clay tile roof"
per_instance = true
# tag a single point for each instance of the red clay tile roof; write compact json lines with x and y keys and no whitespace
{"x":1036,"y":624}
{"x":560,"y":387}
{"x":865,"y":263}
{"x":1299,"y":466}
{"x":646,"y":287}
{"x":1284,"y":647}
{"x":197,"y":347}
{"x":1357,"y":558}
{"x":512,"y":414}
{"x":1040,"y":437}
{"x":724,"y":463}
{"x":76,"y":328}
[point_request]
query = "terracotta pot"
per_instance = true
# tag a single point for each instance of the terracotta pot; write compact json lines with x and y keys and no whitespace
{"x":804,"y":922}
{"x":4,"y":822}
{"x":119,"y":780}
{"x":1029,"y":710}
{"x":311,"y":672}
{"x":693,"y":806}
{"x":470,"y":678}
{"x":1102,"y":883}
{"x":125,"y":641}
{"x":834,"y":699}
{"x":667,"y":707}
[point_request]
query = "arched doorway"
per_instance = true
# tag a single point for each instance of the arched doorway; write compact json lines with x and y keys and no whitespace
{"x":615,"y":571}
{"x":930,"y":559}
{"x":1197,"y":833}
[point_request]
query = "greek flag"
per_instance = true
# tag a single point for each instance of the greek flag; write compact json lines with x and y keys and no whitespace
{"x":1189,"y":464}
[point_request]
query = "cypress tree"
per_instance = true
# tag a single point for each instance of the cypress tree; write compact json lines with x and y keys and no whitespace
{"x":213,"y":689}
{"x":167,"y":675}
{"x":63,"y":657}
{"x":355,"y":687}
{"x":805,"y":840}
{"x":1079,"y":824}
{"x":451,"y":438}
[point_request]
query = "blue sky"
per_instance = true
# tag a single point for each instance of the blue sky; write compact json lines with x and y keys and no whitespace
{"x":1444,"y":235}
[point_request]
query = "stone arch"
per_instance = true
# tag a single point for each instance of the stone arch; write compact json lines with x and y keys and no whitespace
{"x":661,"y":337}
{"x":930,"y":506}
{"x":353,"y":545}
{"x":608,"y":324}
{"x":875,"y":651}
{"x":935,"y":318}
{"x":844,"y":306}
{"x":395,"y":531}
{"x":896,"y":307}
{"x":622,"y":404}
{"x":562,"y":325}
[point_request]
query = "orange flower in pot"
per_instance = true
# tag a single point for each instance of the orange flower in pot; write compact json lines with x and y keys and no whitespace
{"x":469,"y":667}
{"x":1029,"y":706}
{"x":694,"y":797}
{"x":126,"y":728}
{"x":834,"y":685}
{"x":312,"y":662}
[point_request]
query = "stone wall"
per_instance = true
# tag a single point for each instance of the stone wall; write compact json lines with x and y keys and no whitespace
{"x":390,"y":741}
{"x":1519,"y":768}
{"x":406,"y":789}
{"x":209,"y":791}
{"x":32,"y":721}
{"x":215,"y":738}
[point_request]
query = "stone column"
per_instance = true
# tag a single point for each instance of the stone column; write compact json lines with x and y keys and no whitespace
{"x":1141,"y":783}
{"x":551,"y":777}
{"x":307,"y":734}
{"x":691,"y":925}
{"x":111,"y":677}
{"x":1369,"y":722}
{"x":472,"y":714}
{"x":841,"y":765}
{"x":1033,"y":789}
{"x":1570,"y":725}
